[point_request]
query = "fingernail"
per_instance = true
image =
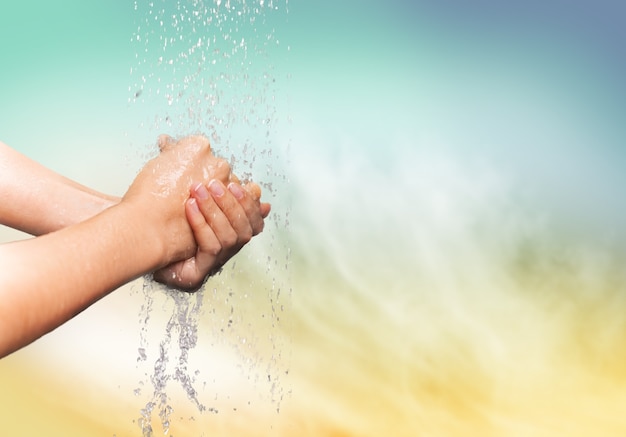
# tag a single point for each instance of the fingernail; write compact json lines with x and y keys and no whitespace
{"x":216,"y":188}
{"x":201,"y":191}
{"x":236,"y":190}
{"x":194,"y":206}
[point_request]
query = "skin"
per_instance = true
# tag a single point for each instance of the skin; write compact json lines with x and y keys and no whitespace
{"x":245,"y":216}
{"x":38,"y":201}
{"x":182,"y":218}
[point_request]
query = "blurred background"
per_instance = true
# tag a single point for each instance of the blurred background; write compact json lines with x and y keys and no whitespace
{"x":446,"y":248}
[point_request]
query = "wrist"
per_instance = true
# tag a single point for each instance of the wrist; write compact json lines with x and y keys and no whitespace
{"x":165,"y":236}
{"x":139,"y":229}
{"x":80,"y":208}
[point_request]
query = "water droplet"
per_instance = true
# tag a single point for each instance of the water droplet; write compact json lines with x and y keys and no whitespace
{"x":207,"y":61}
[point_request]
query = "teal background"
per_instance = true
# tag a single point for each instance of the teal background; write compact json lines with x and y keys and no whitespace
{"x":448,"y":175}
{"x":537,"y":88}
{"x":63,"y":82}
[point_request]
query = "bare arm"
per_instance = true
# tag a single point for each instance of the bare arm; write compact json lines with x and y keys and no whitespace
{"x":47,"y":280}
{"x":36,"y":200}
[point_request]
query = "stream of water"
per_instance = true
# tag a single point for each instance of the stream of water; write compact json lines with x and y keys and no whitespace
{"x":209,"y":67}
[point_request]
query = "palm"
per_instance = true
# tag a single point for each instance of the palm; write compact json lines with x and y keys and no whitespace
{"x":184,"y":275}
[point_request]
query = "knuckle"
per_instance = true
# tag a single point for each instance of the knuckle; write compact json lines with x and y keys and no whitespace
{"x":259,"y":227}
{"x":223,"y":168}
{"x":197,"y":143}
{"x":246,"y":235}
{"x":199,"y":139}
{"x":163,"y":141}
{"x":214,"y":248}
{"x":230,"y":239}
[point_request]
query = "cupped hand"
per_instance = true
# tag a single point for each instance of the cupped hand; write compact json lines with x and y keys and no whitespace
{"x":223,"y":219}
{"x":160,"y":191}
{"x":223,"y":216}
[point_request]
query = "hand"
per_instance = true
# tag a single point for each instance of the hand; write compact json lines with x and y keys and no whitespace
{"x":221,"y":225}
{"x":160,"y":191}
{"x":155,"y":224}
{"x":223,"y":219}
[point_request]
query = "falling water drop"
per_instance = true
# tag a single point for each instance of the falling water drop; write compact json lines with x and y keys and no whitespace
{"x":203,"y":66}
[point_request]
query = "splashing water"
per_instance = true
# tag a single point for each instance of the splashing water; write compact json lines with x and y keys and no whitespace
{"x":184,"y":324}
{"x":204,"y":66}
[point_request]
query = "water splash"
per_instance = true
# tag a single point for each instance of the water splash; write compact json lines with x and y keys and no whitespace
{"x":182,"y":325}
{"x":206,"y":67}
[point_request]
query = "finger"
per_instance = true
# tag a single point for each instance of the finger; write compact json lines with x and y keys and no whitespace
{"x":233,"y":178}
{"x":254,"y":190}
{"x":232,"y":211}
{"x":215,"y":219}
{"x":266,"y":208}
{"x":177,"y":275}
{"x":209,"y":246}
{"x":218,"y":169}
{"x":250,"y":206}
{"x":167,"y":276}
{"x":231,"y":239}
{"x":165,"y":141}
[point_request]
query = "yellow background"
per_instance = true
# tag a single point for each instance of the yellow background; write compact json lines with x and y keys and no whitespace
{"x":446,"y":251}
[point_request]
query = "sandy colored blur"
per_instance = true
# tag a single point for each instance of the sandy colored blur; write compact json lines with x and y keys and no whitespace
{"x":456,"y":310}
{"x":450,"y":263}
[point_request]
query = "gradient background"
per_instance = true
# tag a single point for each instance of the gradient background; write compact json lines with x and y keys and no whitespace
{"x":446,"y":251}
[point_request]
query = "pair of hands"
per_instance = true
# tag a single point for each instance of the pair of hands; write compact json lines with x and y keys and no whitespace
{"x":203,"y":213}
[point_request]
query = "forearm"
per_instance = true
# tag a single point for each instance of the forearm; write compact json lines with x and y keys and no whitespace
{"x":37,"y":200}
{"x":47,"y":280}
{"x":56,"y":276}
